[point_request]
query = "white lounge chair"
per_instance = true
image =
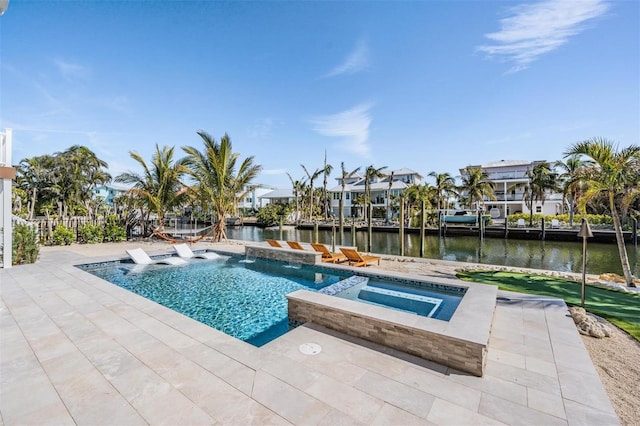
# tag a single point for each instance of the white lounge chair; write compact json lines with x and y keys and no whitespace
{"x":140,"y":257}
{"x":185,"y":252}
{"x":555,"y":224}
{"x":520,"y":223}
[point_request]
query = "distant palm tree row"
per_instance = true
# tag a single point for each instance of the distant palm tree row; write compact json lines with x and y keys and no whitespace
{"x":595,"y":177}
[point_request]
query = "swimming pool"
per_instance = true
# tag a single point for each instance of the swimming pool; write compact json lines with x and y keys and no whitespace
{"x":245,"y":299}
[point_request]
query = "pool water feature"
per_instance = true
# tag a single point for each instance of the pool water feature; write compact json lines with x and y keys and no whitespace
{"x":245,"y":299}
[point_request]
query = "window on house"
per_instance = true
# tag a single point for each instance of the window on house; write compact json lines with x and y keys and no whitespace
{"x":538,"y":209}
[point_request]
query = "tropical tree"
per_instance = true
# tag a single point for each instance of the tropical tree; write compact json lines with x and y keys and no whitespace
{"x":65,"y":179}
{"x":297,"y":189}
{"x":613,"y":175}
{"x":33,"y":176}
{"x":445,"y":188}
{"x":370,"y":174}
{"x":82,"y":171}
{"x":311,"y":176}
{"x":572,"y":180}
{"x":476,"y":186}
{"x":388,"y":214}
{"x":219,"y":177}
{"x":159,"y":187}
{"x":542,"y":180}
{"x":416,"y":194}
{"x":326,"y":171}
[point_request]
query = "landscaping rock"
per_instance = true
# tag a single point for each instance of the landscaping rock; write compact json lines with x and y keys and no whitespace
{"x":588,"y":324}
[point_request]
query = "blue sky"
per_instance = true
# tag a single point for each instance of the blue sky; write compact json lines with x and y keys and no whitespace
{"x":428,"y":85}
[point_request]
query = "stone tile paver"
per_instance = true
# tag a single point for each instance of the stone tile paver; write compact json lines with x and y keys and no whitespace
{"x":75,"y":349}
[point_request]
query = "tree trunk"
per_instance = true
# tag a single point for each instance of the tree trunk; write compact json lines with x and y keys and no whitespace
{"x":571,"y":204}
{"x":622,"y":250}
{"x":32,"y":208}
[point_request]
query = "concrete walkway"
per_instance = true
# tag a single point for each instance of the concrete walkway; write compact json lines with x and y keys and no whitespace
{"x":75,"y":349}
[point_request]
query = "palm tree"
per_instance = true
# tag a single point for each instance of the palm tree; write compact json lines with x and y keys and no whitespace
{"x":388,"y":215}
{"x":542,"y":179}
{"x":476,"y":186}
{"x":218,"y":182}
{"x":311,"y":176}
{"x":297,"y":189}
{"x":571,"y":180}
{"x":416,"y":194}
{"x":370,"y":174}
{"x":611,"y":176}
{"x":445,"y":187}
{"x":83,"y":171}
{"x":326,"y":171}
{"x":33,"y":177}
{"x":159,"y":186}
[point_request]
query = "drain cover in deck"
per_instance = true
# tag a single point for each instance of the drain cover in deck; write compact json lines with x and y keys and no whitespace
{"x":310,"y":348}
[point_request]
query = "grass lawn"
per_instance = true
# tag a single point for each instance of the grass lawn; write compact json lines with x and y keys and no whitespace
{"x":621,"y":309}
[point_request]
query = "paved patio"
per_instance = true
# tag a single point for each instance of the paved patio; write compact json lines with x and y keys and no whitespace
{"x":75,"y":349}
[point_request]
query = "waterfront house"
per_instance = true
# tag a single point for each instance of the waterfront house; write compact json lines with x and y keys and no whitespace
{"x":379,"y":187}
{"x":510,"y":179}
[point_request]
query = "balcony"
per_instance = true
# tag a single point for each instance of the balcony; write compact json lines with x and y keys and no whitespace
{"x":507,"y":176}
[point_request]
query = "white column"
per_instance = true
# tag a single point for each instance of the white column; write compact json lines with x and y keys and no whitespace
{"x":5,"y":200}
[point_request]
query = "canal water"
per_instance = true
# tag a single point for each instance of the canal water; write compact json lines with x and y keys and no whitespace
{"x":549,"y":255}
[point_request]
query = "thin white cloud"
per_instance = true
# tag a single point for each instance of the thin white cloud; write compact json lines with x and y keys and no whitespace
{"x":356,"y":60}
{"x":535,"y":29}
{"x":71,"y":70}
{"x":261,"y":129}
{"x":351,"y":126}
{"x":117,"y":103}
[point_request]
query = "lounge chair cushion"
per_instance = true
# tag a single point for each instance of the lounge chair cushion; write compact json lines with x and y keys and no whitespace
{"x":141,"y":257}
{"x":185,"y":252}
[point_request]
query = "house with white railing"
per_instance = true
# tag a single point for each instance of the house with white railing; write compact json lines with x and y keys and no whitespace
{"x":510,"y":179}
{"x":381,"y":188}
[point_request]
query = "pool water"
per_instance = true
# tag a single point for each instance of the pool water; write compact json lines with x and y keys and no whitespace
{"x":408,"y":296}
{"x":245,"y":299}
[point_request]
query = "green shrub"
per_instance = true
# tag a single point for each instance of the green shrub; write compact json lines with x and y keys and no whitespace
{"x":272,"y":214}
{"x":113,"y":231}
{"x":63,"y":236}
{"x":90,"y":234}
{"x":594,"y":219}
{"x":25,"y":244}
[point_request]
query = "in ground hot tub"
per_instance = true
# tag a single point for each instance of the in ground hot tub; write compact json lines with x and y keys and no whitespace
{"x":404,"y":318}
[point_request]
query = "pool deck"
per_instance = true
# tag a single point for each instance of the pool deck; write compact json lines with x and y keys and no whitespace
{"x":75,"y":349}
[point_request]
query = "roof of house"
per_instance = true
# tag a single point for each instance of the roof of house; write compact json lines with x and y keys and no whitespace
{"x":278,"y":193}
{"x":504,"y":163}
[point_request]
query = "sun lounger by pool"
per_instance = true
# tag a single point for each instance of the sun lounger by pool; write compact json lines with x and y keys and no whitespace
{"x":357,"y":259}
{"x":295,"y":245}
{"x":141,"y":257}
{"x":327,"y":256}
{"x":274,"y":243}
{"x":185,"y":252}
